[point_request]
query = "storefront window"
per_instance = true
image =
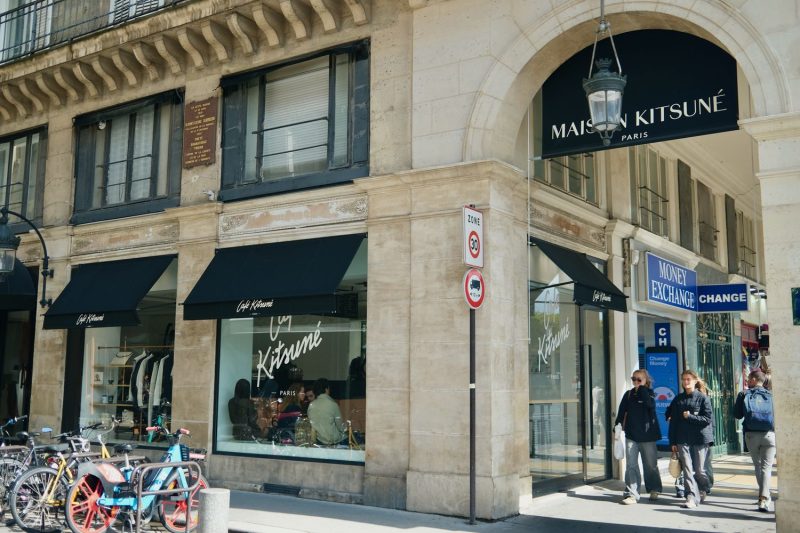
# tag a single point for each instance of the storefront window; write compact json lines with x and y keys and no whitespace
{"x":127,"y":370}
{"x":295,"y":385}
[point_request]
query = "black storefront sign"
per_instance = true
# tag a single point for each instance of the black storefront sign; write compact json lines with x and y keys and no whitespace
{"x":678,"y":86}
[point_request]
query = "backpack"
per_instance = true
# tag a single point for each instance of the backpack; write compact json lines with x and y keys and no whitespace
{"x":758,"y":410}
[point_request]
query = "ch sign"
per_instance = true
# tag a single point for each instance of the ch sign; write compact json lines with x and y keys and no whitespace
{"x":473,"y":237}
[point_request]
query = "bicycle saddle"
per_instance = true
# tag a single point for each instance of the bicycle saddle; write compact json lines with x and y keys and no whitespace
{"x":124,"y":448}
{"x":23,"y":435}
{"x":50,"y":448}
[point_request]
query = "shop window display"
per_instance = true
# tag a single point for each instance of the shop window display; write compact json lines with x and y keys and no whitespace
{"x":127,"y":370}
{"x":295,"y":385}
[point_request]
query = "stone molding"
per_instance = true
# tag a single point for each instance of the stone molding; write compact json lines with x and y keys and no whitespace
{"x":773,"y":127}
{"x":169,"y":42}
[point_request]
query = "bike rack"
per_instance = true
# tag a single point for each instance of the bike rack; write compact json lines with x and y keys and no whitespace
{"x":192,"y":466}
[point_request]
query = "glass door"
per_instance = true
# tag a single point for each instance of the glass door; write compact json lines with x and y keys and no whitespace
{"x":596,"y":377}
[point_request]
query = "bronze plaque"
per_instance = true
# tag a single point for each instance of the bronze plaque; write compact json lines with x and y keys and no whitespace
{"x":200,"y":132}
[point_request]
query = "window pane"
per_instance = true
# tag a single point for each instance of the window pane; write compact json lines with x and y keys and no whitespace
{"x":142,"y":153}
{"x":33,"y":173}
{"x":164,"y":134}
{"x":557,"y":172}
{"x":117,"y":160}
{"x":341,"y":119}
{"x":98,"y":190}
{"x":296,"y":117}
{"x":575,"y":174}
{"x":251,"y":137}
{"x":17,"y":181}
{"x":589,"y":182}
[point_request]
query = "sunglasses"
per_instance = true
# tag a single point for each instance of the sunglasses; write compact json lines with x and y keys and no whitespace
{"x":637,"y":379}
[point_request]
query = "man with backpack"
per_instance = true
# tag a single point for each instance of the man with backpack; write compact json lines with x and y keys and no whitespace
{"x":755,"y":406}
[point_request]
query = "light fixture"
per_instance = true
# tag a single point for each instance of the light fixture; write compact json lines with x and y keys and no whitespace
{"x":8,"y":251}
{"x":753,"y":289}
{"x":762,"y":293}
{"x":101,"y":125}
{"x":604,"y":89}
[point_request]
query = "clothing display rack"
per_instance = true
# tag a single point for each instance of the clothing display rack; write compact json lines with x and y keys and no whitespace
{"x":113,"y":388}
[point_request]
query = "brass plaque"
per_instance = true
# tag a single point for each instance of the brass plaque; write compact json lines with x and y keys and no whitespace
{"x":200,"y":132}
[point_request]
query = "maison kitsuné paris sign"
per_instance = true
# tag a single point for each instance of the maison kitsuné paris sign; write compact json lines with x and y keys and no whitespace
{"x":678,"y":86}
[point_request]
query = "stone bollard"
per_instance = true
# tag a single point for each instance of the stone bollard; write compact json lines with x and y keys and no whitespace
{"x":213,"y":514}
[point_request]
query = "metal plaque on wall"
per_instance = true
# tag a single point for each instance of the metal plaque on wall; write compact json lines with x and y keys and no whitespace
{"x":200,"y":132}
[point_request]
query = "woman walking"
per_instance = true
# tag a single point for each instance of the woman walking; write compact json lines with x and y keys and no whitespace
{"x":637,"y":414}
{"x":690,"y":431}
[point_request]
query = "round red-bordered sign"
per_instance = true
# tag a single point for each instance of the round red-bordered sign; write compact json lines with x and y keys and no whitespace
{"x":474,"y":244}
{"x":474,"y":288}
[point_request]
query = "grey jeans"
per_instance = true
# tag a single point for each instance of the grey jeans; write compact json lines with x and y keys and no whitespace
{"x":633,"y":479}
{"x":693,"y":460}
{"x":762,"y":450}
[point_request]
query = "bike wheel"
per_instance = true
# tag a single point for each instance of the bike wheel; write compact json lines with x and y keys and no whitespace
{"x":9,"y":470}
{"x":35,"y":503}
{"x":83,"y":513}
{"x":173,"y":513}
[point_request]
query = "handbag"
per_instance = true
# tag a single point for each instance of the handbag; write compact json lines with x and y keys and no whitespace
{"x":674,"y":466}
{"x":619,"y":443}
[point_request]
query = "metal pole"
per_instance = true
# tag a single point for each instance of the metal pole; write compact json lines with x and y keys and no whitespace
{"x":472,"y":416}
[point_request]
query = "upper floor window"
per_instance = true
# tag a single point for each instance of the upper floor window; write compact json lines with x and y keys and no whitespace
{"x":129,"y":159}
{"x":299,"y":125}
{"x":22,"y":162}
{"x":707,"y":221}
{"x":745,"y":236}
{"x":651,"y":197}
{"x":573,"y":174}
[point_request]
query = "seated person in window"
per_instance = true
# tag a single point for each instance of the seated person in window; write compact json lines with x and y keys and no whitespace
{"x":290,"y":409}
{"x":325,"y":416}
{"x":242,"y":412}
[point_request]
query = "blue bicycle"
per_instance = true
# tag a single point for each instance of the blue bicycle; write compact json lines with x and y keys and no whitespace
{"x":105,"y":492}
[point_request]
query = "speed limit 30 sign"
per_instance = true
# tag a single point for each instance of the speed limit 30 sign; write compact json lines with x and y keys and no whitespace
{"x":473,"y":237}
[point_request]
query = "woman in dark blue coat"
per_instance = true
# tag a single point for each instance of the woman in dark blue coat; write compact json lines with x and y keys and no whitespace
{"x":690,"y":432}
{"x":637,"y":414}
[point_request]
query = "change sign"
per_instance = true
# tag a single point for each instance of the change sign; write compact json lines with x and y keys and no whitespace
{"x":722,"y":298}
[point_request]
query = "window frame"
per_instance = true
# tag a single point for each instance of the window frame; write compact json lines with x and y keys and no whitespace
{"x":18,"y":226}
{"x":234,"y":128}
{"x":85,"y":210}
{"x":643,"y":185}
{"x":710,"y":209}
{"x":746,"y":245}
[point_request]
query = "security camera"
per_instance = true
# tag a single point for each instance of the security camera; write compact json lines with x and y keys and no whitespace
{"x":212,"y":195}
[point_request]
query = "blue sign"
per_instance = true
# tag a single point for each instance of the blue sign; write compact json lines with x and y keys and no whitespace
{"x":662,"y":364}
{"x":671,"y":284}
{"x":663,"y":334}
{"x":722,"y":298}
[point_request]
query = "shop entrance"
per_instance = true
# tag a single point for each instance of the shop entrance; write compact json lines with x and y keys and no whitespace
{"x":16,"y":358}
{"x":715,"y":366}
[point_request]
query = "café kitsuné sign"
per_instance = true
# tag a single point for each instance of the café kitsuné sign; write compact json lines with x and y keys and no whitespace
{"x":678,"y":85}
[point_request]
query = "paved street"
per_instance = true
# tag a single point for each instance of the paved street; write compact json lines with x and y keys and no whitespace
{"x":730,"y":508}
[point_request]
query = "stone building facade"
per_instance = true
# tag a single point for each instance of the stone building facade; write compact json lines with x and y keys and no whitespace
{"x":443,"y":121}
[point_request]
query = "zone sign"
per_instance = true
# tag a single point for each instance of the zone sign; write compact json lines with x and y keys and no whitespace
{"x":473,"y":237}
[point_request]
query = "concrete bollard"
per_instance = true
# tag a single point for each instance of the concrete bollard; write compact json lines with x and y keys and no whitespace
{"x":213,"y":515}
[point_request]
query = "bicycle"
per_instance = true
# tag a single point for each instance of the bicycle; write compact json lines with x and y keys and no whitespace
{"x":105,"y":492}
{"x":38,"y":494}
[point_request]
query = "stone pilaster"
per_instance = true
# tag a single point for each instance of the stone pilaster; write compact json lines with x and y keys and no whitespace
{"x":778,"y":140}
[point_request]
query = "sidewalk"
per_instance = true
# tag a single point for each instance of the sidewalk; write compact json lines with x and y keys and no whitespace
{"x":731,"y":508}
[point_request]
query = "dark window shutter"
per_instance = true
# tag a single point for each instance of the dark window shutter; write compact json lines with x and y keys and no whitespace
{"x":234,"y":114}
{"x":361,"y":106}
{"x":730,"y":229}
{"x":686,"y":205}
{"x":84,"y":171}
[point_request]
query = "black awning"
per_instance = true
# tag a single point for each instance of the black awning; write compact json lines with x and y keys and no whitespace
{"x":105,"y":294}
{"x":592,"y":287}
{"x":283,"y":278}
{"x":17,"y":290}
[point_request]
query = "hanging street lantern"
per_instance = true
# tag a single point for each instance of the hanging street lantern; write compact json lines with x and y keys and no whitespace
{"x":604,"y":88}
{"x":8,"y":248}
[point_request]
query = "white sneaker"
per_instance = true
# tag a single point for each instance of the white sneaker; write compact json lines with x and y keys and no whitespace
{"x":689,"y":504}
{"x":653,"y":495}
{"x":702,"y":496}
{"x":630,"y":500}
{"x":763,"y":505}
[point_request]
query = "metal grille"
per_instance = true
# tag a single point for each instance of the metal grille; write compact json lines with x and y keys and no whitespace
{"x":715,"y":360}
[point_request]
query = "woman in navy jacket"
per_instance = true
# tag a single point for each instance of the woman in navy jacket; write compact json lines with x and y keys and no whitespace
{"x":637,"y":414}
{"x":690,"y":432}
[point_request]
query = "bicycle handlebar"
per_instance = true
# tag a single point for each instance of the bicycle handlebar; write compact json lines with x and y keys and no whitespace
{"x":12,"y":421}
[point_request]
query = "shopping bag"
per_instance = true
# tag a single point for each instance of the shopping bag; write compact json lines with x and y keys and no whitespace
{"x":619,"y":443}
{"x":674,"y":466}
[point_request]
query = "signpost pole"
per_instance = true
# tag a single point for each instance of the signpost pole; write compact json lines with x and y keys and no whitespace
{"x":472,"y":416}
